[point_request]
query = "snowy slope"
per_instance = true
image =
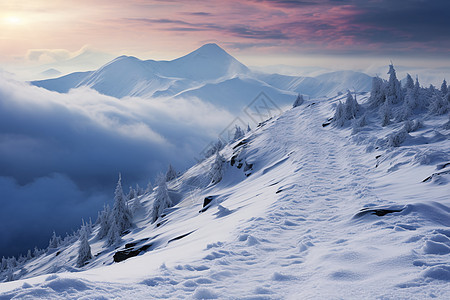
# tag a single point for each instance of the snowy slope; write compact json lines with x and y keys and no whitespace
{"x":203,"y":70}
{"x":303,"y":212}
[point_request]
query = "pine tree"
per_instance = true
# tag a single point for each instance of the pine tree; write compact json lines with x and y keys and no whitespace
{"x":409,"y":82}
{"x":171,"y":173}
{"x":339,"y":115}
{"x":113,"y":235}
{"x":444,"y":88}
{"x":120,"y":214}
{"x":216,"y":172}
{"x":394,"y":92}
{"x":377,"y":94}
{"x":53,"y":241}
{"x":248,"y":130}
{"x":136,"y":206}
{"x":162,"y":199}
{"x":103,"y":220}
{"x":131,"y":193}
{"x":385,"y":113}
{"x":139,"y":191}
{"x":238,"y":133}
{"x":299,"y":101}
{"x":84,"y":250}
{"x":351,"y":107}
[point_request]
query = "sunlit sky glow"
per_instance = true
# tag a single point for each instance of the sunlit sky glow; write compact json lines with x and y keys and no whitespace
{"x":258,"y":32}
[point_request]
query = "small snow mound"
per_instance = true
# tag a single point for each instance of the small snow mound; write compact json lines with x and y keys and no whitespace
{"x":281,"y":277}
{"x":441,"y":272}
{"x":432,"y":247}
{"x":60,"y":285}
{"x":204,"y":293}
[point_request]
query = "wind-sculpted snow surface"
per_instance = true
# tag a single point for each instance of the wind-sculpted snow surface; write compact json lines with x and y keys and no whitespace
{"x":302,"y":211}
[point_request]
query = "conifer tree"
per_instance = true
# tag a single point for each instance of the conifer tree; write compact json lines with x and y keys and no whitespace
{"x":409,"y":82}
{"x":394,"y":92}
{"x":104,"y":218}
{"x":444,"y":88}
{"x":120,"y":214}
{"x":171,"y":173}
{"x":216,"y":172}
{"x":299,"y":101}
{"x":84,"y":250}
{"x":162,"y":199}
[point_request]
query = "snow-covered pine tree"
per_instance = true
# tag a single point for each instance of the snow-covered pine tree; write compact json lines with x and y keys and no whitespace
{"x":339,"y":115}
{"x":298,"y":101}
{"x":385,"y":113}
{"x":444,"y":88}
{"x":238,"y":133}
{"x":162,"y":199}
{"x":53,"y":241}
{"x":216,"y":172}
{"x":394,"y":92}
{"x":29,"y":256}
{"x":351,"y":107}
{"x":171,"y":173}
{"x":139,"y":191}
{"x":104,"y":221}
{"x":113,"y":235}
{"x":131,"y":193}
{"x":84,"y":250}
{"x":4,"y":263}
{"x":409,"y":82}
{"x":136,"y":207}
{"x":377,"y":94}
{"x":438,"y":105}
{"x":248,"y":130}
{"x":120,"y":214}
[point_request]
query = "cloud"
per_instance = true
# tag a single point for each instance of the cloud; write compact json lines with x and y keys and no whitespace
{"x":59,"y":151}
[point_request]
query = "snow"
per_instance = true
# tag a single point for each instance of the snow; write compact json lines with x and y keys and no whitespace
{"x":319,"y":212}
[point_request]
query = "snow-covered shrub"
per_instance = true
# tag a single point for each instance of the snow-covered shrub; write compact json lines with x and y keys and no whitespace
{"x":84,"y":250}
{"x":55,"y":241}
{"x":412,"y":125}
{"x":397,"y":138}
{"x":217,"y":146}
{"x":438,"y":105}
{"x":162,"y":199}
{"x":216,"y":172}
{"x":171,"y":173}
{"x":346,"y":111}
{"x":357,"y":124}
{"x":136,"y":206}
{"x":299,"y":101}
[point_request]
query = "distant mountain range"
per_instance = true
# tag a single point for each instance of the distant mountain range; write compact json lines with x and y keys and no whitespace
{"x":208,"y":73}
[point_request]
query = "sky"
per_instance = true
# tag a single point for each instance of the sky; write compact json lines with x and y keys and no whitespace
{"x":332,"y":33}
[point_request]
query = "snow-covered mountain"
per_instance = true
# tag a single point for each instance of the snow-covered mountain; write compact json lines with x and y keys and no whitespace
{"x":334,"y":198}
{"x":203,"y":73}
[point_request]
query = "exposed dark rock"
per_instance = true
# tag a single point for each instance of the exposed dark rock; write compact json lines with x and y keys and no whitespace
{"x":206,"y":203}
{"x":377,"y":211}
{"x":131,"y":252}
{"x":180,"y":237}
